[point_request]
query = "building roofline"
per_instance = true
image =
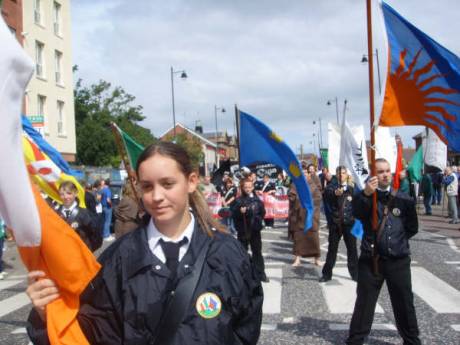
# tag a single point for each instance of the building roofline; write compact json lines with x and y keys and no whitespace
{"x":191,"y":132}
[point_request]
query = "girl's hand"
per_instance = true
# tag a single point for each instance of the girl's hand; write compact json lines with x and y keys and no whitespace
{"x":41,"y":291}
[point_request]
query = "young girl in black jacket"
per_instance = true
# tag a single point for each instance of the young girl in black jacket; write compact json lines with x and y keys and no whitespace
{"x":248,"y":213}
{"x":134,"y":297}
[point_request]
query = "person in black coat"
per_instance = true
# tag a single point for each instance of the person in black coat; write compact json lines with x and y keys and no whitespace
{"x":248,"y":212}
{"x":137,"y":296}
{"x":339,"y":195}
{"x":266,"y":187}
{"x":389,"y":249}
{"x":80,"y":219}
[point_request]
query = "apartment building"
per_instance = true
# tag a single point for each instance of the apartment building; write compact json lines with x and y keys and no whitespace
{"x":49,"y":101}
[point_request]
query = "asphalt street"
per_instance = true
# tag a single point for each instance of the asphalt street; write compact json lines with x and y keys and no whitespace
{"x":298,"y":309}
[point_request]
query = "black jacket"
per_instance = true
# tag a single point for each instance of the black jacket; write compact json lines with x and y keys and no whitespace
{"x":124,"y":302}
{"x":252,"y":219}
{"x":401,"y":225}
{"x":340,"y":207}
{"x":86,"y":225}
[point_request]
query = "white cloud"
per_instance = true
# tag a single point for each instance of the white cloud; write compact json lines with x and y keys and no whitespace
{"x":278,"y":60}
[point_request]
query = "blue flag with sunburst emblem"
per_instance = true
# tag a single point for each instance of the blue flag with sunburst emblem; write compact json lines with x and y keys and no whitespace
{"x":423,"y":81}
{"x":259,"y":144}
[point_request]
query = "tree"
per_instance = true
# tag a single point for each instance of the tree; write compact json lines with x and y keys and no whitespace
{"x":96,"y":107}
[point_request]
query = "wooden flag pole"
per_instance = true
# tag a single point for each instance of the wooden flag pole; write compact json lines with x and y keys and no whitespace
{"x":125,"y":159}
{"x":370,"y":51}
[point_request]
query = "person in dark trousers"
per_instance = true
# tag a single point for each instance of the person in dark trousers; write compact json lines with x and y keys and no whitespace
{"x":131,"y":299}
{"x":389,"y":251}
{"x":266,"y":187}
{"x":426,"y":189}
{"x":436,"y":179}
{"x":80,"y":219}
{"x":339,"y":196}
{"x":248,"y":212}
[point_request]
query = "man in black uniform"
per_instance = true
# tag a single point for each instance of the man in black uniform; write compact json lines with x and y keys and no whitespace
{"x":339,"y":195}
{"x":388,"y":248}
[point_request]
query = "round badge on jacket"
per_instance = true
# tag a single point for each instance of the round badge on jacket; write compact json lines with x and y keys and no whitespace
{"x":74,"y":225}
{"x":396,"y":212}
{"x":349,"y":198}
{"x":208,"y":305}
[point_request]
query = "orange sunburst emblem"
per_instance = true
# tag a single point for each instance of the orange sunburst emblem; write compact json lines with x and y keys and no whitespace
{"x":408,"y":103}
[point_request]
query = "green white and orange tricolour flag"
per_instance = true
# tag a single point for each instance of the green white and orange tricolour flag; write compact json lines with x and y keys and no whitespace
{"x":44,"y":240}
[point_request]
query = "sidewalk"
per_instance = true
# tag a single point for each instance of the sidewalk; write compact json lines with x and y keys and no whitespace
{"x":438,"y":223}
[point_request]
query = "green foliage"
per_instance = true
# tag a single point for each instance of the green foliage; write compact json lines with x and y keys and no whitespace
{"x":96,"y":106}
{"x":193,"y":147}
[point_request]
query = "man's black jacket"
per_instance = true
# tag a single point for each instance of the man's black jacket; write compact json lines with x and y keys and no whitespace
{"x":124,"y":302}
{"x":401,"y":225}
{"x":252,"y":219}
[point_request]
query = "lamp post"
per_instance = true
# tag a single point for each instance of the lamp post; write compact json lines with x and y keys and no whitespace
{"x":329,"y":102}
{"x":222,"y":110}
{"x":366,"y":60}
{"x":183,"y":75}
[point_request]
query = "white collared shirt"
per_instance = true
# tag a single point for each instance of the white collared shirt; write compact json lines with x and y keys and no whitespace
{"x":384,"y":189}
{"x":71,"y":208}
{"x":154,"y":235}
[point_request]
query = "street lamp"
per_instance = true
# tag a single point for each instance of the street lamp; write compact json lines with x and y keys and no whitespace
{"x":365,"y":59}
{"x":183,"y":75}
{"x":222,"y":110}
{"x":329,"y":102}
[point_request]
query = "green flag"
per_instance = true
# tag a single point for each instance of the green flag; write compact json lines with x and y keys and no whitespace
{"x":415,"y":166}
{"x":325,"y":157}
{"x":133,"y":149}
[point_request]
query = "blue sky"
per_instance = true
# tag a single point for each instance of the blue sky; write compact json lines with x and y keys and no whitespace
{"x":281,"y":61}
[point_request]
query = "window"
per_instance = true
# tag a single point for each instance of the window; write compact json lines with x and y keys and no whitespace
{"x":37,"y":12}
{"x":41,"y":105}
{"x":60,"y":122}
{"x":39,"y":66}
{"x":57,"y":18}
{"x":58,"y":67}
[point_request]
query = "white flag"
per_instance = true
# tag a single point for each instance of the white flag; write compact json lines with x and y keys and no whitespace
{"x":385,"y":146}
{"x":435,"y":150}
{"x":333,"y":137}
{"x":353,"y":153}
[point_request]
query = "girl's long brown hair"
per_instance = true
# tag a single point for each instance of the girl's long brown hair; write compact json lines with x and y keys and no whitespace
{"x":196,"y":200}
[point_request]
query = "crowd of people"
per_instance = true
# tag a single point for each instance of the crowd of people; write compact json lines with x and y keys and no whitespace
{"x":164,"y":223}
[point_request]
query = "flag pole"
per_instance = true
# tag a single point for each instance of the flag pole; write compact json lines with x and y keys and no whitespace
{"x":370,"y":50}
{"x":124,"y":158}
{"x":237,"y":120}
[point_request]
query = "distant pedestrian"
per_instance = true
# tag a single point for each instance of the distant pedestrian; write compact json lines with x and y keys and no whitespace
{"x":404,"y":183}
{"x":268,"y":188}
{"x":127,"y":212}
{"x":426,"y":189}
{"x":207,"y":187}
{"x":450,"y":181}
{"x":436,"y":179}
{"x":2,"y":243}
{"x":106,"y":202}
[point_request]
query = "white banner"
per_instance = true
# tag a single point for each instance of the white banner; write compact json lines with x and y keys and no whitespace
{"x":385,"y":146}
{"x":353,"y":153}
{"x":434,"y":150}
{"x":333,"y":133}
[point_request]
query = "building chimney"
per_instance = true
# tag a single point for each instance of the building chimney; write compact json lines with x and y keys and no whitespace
{"x":198,"y":127}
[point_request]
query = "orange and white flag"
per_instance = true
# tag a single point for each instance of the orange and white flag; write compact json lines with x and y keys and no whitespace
{"x":44,"y":240}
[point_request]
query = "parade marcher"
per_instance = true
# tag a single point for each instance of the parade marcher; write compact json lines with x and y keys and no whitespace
{"x":450,"y":181}
{"x":106,"y":202}
{"x":436,"y":178}
{"x":389,"y":250}
{"x":207,"y":187}
{"x":266,"y":187}
{"x":127,"y":212}
{"x":229,"y":193}
{"x":339,"y":195}
{"x":248,"y":213}
{"x":217,"y":298}
{"x":404,"y":183}
{"x":80,"y":219}
{"x":426,"y":189}
{"x":314,"y":176}
{"x":306,"y":245}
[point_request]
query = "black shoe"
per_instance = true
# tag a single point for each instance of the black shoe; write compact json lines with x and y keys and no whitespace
{"x":324,"y":279}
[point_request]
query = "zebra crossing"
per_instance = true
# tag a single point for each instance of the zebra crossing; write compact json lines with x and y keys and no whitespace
{"x":334,"y":300}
